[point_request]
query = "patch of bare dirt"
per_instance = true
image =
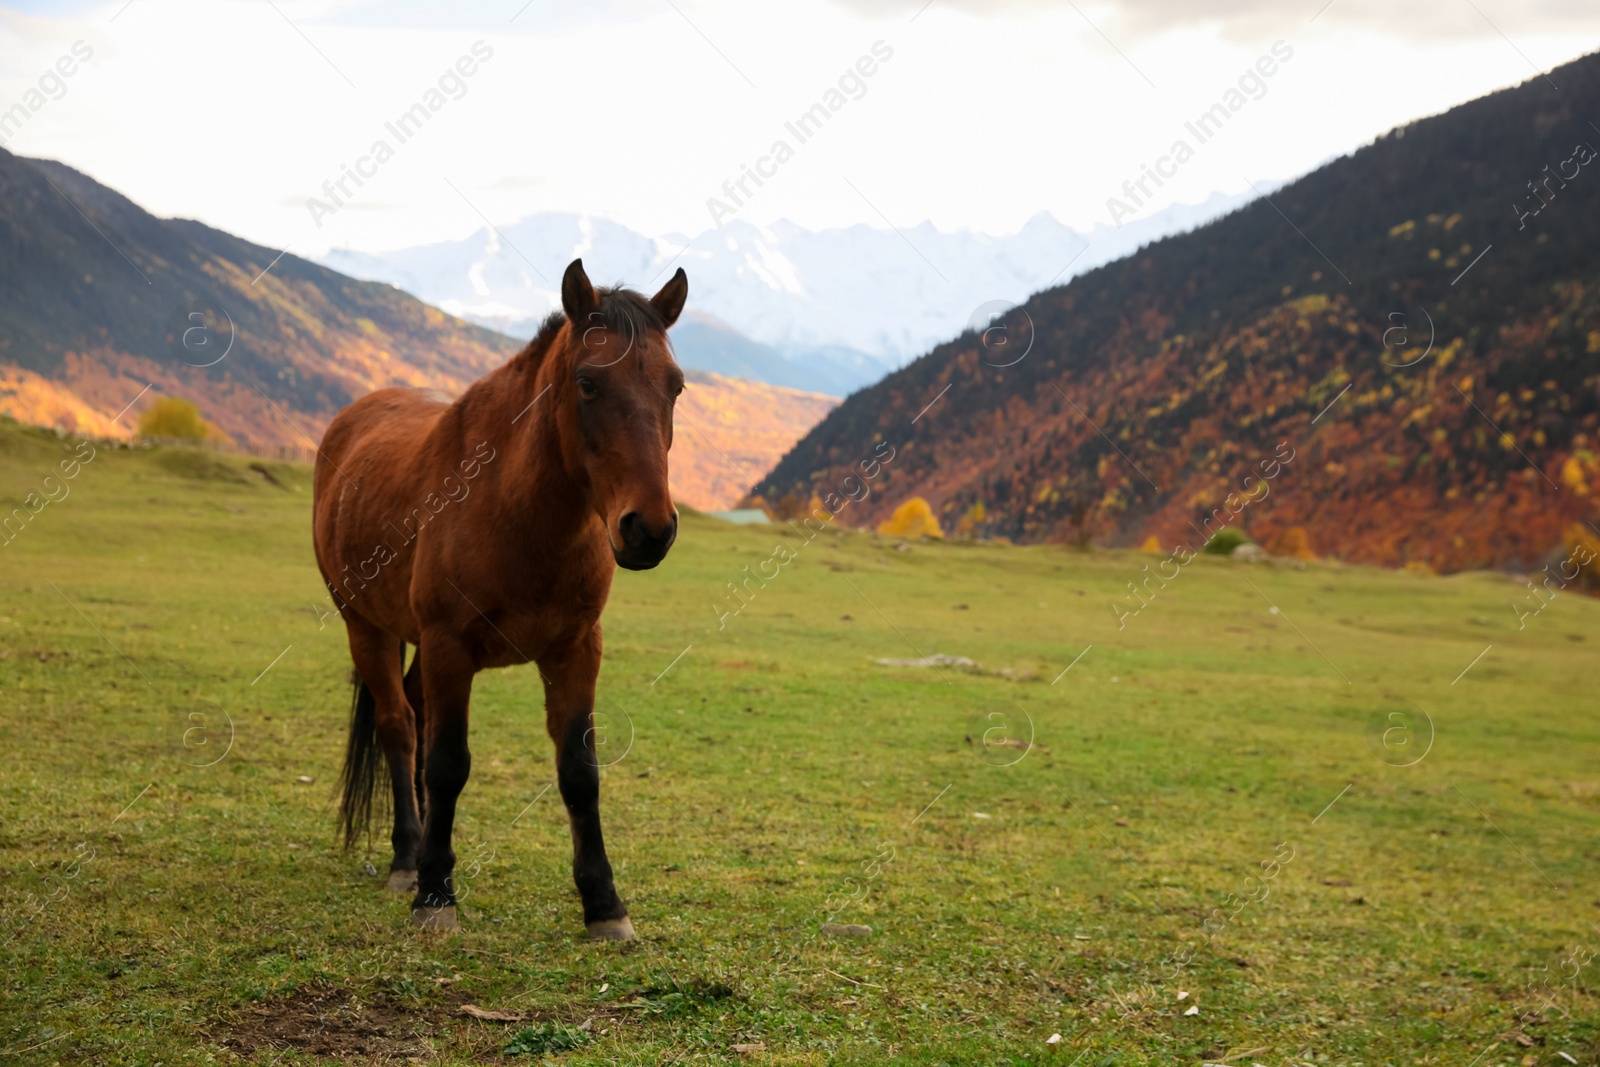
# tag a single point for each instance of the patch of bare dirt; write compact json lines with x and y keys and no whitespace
{"x":328,"y":1021}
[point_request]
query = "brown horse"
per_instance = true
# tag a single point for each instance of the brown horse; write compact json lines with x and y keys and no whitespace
{"x":485,"y":533}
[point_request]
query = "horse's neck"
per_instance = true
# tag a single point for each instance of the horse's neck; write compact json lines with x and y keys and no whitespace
{"x":536,"y":495}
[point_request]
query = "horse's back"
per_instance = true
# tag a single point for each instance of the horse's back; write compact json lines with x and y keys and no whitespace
{"x":394,"y":417}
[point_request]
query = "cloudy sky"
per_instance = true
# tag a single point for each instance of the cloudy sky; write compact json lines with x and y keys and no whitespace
{"x":976,"y":114}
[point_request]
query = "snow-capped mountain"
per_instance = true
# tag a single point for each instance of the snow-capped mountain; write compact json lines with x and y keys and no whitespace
{"x":830,"y":310}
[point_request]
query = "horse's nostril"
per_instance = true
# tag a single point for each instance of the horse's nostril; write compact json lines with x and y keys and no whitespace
{"x":631,"y":528}
{"x":638,"y":535}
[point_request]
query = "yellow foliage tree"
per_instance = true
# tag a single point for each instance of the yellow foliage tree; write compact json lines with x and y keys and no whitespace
{"x":969,"y":522}
{"x":172,"y":416}
{"x":1294,"y":543}
{"x":1151,"y":544}
{"x":914,"y":518}
{"x":1572,"y":476}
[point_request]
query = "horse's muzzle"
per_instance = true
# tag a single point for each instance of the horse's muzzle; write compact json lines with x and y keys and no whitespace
{"x":643,"y":546}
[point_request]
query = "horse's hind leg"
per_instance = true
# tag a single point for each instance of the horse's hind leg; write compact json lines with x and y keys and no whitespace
{"x":378,"y":659}
{"x":447,"y":692}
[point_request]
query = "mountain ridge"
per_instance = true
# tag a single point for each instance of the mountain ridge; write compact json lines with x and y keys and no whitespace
{"x":92,"y":283}
{"x":1151,"y":385}
{"x":840,"y":307}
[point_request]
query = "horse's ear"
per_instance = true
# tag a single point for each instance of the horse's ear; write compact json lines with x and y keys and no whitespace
{"x":578,"y":297}
{"x":669,"y":301}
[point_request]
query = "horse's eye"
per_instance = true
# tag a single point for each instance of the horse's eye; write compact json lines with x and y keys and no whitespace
{"x":587,"y":388}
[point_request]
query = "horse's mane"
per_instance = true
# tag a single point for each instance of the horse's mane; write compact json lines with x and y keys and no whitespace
{"x":622,"y":311}
{"x":533,"y":354}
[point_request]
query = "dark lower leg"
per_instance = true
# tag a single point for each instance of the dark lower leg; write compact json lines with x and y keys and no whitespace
{"x":449,"y":763}
{"x":407,"y":836}
{"x":579,"y":777}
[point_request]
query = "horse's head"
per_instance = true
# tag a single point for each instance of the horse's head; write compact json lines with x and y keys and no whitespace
{"x":617,"y":385}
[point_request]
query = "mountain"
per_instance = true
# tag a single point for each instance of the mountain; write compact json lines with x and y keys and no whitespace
{"x":703,"y":342}
{"x":840,"y":308}
{"x":1415,"y":326}
{"x":96,"y":296}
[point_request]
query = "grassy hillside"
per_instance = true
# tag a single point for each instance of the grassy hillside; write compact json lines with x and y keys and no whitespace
{"x":172,"y":703}
{"x":1411,"y":318}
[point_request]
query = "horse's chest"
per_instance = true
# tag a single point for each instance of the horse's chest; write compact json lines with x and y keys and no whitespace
{"x":520,"y":636}
{"x":536,"y":616}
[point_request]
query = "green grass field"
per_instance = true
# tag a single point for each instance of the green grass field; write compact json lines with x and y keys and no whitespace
{"x":1215,"y":813}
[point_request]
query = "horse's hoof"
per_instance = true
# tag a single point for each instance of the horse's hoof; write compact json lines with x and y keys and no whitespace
{"x":402,"y":882}
{"x":436,"y":918}
{"x":611,"y":930}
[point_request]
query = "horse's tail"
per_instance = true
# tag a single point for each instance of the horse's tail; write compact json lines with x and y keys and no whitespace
{"x":362,"y":758}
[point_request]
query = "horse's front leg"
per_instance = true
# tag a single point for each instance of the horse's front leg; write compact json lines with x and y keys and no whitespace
{"x":447,"y":689}
{"x":569,"y":674}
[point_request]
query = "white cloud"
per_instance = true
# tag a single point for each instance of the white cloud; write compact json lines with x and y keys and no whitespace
{"x":231,"y":113}
{"x":1248,"y":19}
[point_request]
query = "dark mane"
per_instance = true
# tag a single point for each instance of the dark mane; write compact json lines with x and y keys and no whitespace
{"x":533,"y":353}
{"x":622,"y":311}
